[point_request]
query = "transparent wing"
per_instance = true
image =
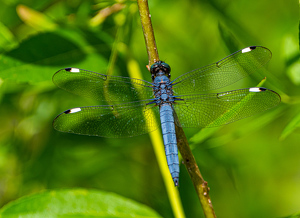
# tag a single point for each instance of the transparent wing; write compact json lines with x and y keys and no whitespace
{"x":215,"y":109}
{"x":224,"y":72}
{"x":102,"y":87}
{"x":113,"y":121}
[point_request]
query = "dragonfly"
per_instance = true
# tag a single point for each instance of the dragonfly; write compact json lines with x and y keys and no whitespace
{"x":133,"y":106}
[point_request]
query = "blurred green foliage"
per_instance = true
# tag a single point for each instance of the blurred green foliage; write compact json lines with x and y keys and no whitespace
{"x":252,"y":166}
{"x":76,"y":203}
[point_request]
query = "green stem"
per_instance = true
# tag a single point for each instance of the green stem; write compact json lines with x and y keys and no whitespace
{"x":148,"y":31}
{"x":155,"y":136}
{"x":200,"y":185}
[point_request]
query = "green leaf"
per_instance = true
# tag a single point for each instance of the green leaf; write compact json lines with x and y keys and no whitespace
{"x":35,"y":19}
{"x":75,"y":203}
{"x":292,"y":216}
{"x":228,"y":38}
{"x":293,"y":124}
{"x":39,"y":57}
{"x":6,"y":38}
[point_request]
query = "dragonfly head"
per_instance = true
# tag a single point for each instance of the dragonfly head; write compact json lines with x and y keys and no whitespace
{"x":160,"y":68}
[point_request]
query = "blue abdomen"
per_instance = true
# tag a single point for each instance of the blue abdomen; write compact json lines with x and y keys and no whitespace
{"x":169,"y":137}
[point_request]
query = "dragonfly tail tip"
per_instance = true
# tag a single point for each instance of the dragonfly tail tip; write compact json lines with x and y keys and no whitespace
{"x":176,"y":182}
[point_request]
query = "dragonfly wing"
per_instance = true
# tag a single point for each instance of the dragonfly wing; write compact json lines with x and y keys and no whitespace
{"x":224,"y":72}
{"x":215,"y":109}
{"x":113,"y":121}
{"x":102,"y":87}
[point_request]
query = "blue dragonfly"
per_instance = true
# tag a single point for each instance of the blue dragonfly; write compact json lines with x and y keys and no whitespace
{"x":132,"y":106}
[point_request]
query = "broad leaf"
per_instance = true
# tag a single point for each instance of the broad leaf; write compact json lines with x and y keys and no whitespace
{"x":39,"y":57}
{"x":75,"y":203}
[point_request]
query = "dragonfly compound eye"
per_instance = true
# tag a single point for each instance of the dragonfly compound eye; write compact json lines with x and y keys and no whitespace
{"x":153,"y":68}
{"x":166,"y":67}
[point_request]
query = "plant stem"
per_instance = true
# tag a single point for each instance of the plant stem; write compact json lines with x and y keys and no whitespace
{"x":155,"y":136}
{"x":148,"y":31}
{"x":199,"y":183}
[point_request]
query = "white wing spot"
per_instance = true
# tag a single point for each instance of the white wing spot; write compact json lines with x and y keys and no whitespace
{"x":246,"y":49}
{"x":255,"y":89}
{"x":74,"y":70}
{"x":75,"y":110}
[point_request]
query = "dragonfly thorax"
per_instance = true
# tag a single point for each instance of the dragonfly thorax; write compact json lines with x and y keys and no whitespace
{"x":163,"y":90}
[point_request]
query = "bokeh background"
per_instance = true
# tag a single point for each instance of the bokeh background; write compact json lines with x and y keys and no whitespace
{"x":252,"y":166}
